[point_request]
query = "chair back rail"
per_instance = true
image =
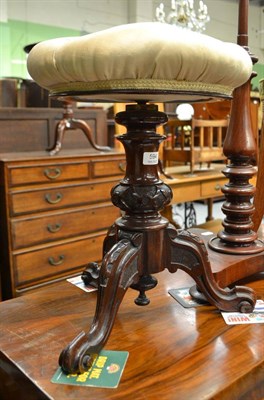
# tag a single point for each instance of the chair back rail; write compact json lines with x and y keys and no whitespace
{"x":195,"y":141}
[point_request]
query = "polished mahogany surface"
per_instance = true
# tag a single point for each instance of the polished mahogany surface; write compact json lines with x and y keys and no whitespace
{"x":174,"y":352}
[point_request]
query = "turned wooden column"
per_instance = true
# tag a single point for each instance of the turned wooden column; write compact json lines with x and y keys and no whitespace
{"x":238,"y":236}
{"x":258,"y":199}
{"x":141,"y":195}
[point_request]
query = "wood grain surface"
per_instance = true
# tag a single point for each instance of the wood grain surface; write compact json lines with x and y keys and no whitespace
{"x":174,"y":352}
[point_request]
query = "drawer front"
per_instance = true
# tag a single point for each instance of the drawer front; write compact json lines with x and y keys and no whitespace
{"x":102,"y":169}
{"x":24,"y":175}
{"x":55,"y":198}
{"x":43,"y":265}
{"x":212,"y":188}
{"x":187,"y":192}
{"x":32,"y":231}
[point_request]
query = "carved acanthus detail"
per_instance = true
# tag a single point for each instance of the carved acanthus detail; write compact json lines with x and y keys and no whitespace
{"x":141,"y":198}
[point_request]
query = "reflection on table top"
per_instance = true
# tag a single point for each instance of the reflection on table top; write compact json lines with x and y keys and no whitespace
{"x":174,"y":352}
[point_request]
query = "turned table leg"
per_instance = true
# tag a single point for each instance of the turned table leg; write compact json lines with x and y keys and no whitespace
{"x":238,"y":236}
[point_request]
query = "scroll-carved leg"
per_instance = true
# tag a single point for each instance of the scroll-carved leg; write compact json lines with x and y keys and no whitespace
{"x":60,"y":129}
{"x":88,"y":133}
{"x":90,"y":275}
{"x":118,"y":271}
{"x":68,"y":122}
{"x":189,"y":253}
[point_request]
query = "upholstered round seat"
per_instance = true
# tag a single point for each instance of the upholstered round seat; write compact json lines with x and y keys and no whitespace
{"x":151,"y":61}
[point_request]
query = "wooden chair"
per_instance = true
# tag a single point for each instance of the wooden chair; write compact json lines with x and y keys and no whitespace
{"x":195,"y":142}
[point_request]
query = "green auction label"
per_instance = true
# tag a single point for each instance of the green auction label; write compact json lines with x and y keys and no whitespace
{"x":106,"y":371}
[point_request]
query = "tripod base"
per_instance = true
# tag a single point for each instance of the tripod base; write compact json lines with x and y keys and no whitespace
{"x":122,"y":268}
{"x":70,"y":123}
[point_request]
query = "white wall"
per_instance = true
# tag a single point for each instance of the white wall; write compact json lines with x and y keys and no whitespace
{"x":94,"y":15}
{"x":224,"y":21}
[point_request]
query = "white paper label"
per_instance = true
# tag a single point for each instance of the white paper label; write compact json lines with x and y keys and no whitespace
{"x":256,"y":317}
{"x":150,"y":158}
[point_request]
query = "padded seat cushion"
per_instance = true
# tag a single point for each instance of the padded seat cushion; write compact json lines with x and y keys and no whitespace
{"x":128,"y":61}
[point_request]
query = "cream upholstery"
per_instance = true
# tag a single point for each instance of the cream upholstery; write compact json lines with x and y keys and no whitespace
{"x":152,"y":57}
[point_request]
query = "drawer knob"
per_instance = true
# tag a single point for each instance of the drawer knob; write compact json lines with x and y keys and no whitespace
{"x":53,"y":262}
{"x":52,"y":173}
{"x":54,"y":228}
{"x":49,"y":199}
{"x":217,"y":186}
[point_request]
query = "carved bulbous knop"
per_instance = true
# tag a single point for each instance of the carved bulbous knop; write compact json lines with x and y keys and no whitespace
{"x":141,"y":199}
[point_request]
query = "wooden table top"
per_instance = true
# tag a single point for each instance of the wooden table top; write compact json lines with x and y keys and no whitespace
{"x":181,"y":174}
{"x":174,"y":352}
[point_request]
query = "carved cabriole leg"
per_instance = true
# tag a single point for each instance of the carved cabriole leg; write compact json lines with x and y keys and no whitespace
{"x":117,"y":273}
{"x":59,"y":134}
{"x":83,"y":126}
{"x":188,"y":252}
{"x":68,"y":122}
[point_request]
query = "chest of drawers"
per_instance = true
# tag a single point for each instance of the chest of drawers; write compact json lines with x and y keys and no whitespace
{"x":55,"y":212}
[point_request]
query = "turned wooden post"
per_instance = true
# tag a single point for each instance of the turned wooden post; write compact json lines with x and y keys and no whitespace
{"x":258,"y":199}
{"x":238,"y":236}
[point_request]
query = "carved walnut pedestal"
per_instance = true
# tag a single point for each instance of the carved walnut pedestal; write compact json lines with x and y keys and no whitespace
{"x":142,"y":242}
